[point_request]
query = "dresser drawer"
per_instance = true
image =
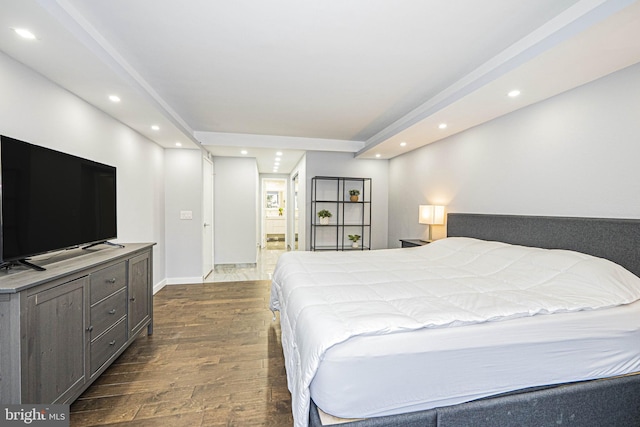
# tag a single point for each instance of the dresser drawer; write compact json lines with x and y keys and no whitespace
{"x":108,"y":344}
{"x":108,"y":280}
{"x":107,"y":312}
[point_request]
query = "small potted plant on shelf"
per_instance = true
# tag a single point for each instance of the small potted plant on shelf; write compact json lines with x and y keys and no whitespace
{"x":354,"y":194}
{"x":354,"y":238}
{"x":324,"y":216}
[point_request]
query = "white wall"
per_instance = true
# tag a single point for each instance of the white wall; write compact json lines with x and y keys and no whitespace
{"x":322,"y":163}
{"x":236,"y":195}
{"x":183,"y":183}
{"x":35,"y":110}
{"x":573,"y":155}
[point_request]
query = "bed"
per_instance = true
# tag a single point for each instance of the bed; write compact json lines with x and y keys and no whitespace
{"x":573,"y":359}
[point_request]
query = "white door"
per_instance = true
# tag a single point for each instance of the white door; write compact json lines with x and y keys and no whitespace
{"x":207,"y":217}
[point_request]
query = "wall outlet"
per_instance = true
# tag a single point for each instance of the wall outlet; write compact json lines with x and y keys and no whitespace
{"x":186,"y":214}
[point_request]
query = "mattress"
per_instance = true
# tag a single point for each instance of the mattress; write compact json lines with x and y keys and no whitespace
{"x":329,"y":300}
{"x":370,"y":376}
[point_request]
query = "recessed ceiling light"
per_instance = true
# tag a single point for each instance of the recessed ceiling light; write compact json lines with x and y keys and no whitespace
{"x":24,"y":33}
{"x":403,"y":144}
{"x":114,"y":98}
{"x":178,"y":144}
{"x":155,"y":127}
{"x":514,"y":93}
{"x":277,"y":163}
{"x":378,"y":155}
{"x":277,"y":159}
{"x":442,"y":126}
{"x":243,"y":152}
{"x":279,"y":153}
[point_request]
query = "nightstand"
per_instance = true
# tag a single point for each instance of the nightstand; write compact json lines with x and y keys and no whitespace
{"x":409,"y":243}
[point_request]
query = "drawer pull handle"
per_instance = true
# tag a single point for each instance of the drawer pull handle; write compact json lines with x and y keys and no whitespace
{"x":132,"y":299}
{"x":112,"y":311}
{"x":112,"y":343}
{"x":90,"y":328}
{"x":113,"y":280}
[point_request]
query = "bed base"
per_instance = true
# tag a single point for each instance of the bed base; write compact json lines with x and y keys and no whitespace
{"x":596,"y":403}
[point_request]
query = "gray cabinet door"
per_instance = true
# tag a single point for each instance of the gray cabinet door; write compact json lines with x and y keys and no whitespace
{"x":139,"y":292}
{"x":56,"y":344}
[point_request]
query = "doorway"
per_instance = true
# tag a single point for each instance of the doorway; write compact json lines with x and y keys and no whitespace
{"x":274,"y":213}
{"x":293,"y":242}
{"x":207,"y":217}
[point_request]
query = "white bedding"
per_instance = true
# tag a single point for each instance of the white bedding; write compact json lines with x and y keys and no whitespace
{"x":376,"y":375}
{"x":327,"y":298}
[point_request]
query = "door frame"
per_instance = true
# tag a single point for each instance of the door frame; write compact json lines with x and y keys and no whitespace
{"x":208,"y":218}
{"x":263,"y":211}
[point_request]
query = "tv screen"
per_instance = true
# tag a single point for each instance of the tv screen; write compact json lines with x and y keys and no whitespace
{"x":51,"y":200}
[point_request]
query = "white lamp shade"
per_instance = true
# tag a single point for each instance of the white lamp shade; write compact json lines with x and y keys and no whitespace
{"x":431,"y":214}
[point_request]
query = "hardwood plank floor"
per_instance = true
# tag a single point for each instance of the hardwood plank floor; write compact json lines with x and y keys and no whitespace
{"x":214,"y":359}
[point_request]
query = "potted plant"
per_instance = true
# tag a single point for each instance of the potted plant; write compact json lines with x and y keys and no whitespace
{"x":324,"y":216}
{"x":354,"y":194}
{"x":354,"y":238}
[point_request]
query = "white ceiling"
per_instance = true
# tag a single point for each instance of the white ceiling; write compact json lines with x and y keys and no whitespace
{"x":359,"y":76}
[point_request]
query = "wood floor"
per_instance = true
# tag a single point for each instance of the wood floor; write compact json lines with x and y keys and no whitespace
{"x":214,"y":359}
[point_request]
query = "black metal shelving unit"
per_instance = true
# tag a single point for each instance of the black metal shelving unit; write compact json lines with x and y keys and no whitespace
{"x":347,"y":217}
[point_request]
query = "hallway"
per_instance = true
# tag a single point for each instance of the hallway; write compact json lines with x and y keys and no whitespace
{"x":267,"y":259}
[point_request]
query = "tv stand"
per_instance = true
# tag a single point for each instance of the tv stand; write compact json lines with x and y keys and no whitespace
{"x":30,"y":265}
{"x":115,"y":245}
{"x":9,"y":264}
{"x":61,"y":328}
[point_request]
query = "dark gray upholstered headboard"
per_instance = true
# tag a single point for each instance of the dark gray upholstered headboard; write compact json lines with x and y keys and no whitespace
{"x":615,"y":239}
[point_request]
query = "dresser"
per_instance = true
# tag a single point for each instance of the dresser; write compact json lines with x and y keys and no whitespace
{"x":62,"y":327}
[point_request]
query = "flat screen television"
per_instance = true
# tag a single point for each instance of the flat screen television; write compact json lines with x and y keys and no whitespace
{"x":51,"y":201}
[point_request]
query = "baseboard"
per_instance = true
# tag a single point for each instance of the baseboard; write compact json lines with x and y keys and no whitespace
{"x":242,"y":265}
{"x":176,"y":281}
{"x":158,"y":286}
{"x":184,"y":280}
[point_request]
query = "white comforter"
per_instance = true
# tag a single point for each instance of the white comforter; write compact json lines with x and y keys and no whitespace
{"x":325,"y":298}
